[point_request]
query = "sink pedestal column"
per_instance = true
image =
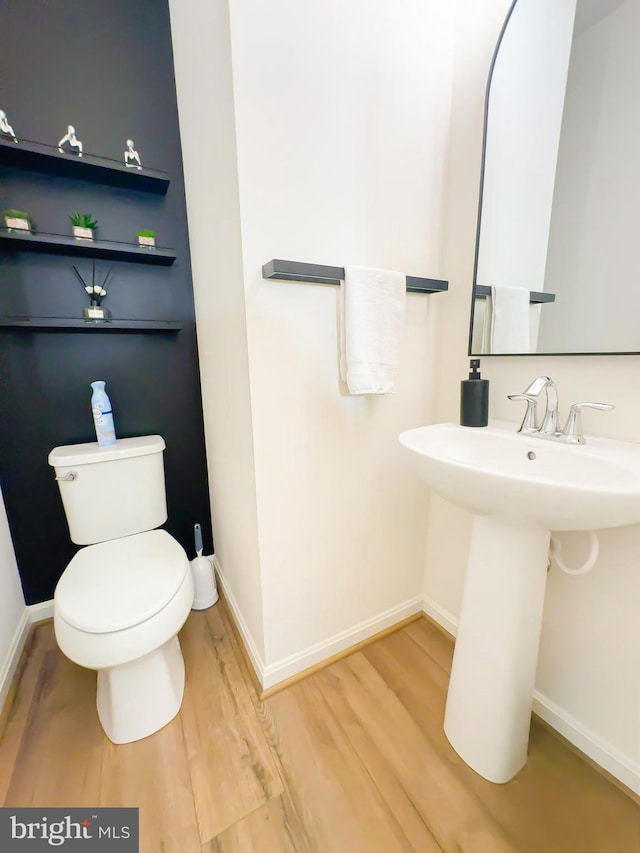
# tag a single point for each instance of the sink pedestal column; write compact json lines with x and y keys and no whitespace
{"x":494,"y":666}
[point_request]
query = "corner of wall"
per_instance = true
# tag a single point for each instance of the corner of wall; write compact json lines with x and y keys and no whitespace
{"x":204,"y":83}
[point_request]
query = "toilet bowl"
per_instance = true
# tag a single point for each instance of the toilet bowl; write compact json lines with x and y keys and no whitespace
{"x":121,"y":601}
{"x":117,"y":609}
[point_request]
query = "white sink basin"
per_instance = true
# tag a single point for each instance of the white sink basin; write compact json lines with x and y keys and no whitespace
{"x":520,"y":488}
{"x":496,"y":471}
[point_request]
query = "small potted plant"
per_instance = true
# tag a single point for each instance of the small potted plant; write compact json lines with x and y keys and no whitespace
{"x":83,"y":226}
{"x":146,"y":238}
{"x":17,"y":220}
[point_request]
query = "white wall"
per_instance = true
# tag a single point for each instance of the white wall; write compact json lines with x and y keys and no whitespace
{"x":340,"y":113}
{"x":593,"y":242}
{"x":200,"y":32}
{"x":590,"y":650}
{"x":13,"y":612}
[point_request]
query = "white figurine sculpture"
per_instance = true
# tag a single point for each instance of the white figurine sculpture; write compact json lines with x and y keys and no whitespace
{"x":131,"y":156}
{"x":70,"y":137}
{"x":5,"y":127}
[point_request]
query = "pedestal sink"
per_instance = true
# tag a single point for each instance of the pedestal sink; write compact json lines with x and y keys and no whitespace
{"x":520,"y":488}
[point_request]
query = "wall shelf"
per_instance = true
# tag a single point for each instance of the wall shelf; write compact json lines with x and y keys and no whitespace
{"x":321,"y":274}
{"x":38,"y":157}
{"x":59,"y":244}
{"x":536,"y":297}
{"x":79,"y":325}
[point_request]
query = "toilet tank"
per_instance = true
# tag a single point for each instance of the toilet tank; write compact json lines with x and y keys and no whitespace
{"x":114,"y":491}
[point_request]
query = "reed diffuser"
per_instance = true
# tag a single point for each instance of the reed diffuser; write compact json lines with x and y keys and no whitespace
{"x":95,"y":312}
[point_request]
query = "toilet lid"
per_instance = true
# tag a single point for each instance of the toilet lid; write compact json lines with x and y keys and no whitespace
{"x":118,"y":584}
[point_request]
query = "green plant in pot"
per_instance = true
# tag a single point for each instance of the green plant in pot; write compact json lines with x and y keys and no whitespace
{"x":147,"y":238}
{"x":17,"y":220}
{"x":84,"y":225}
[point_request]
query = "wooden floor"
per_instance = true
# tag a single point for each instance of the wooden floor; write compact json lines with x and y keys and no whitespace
{"x":351,"y":760}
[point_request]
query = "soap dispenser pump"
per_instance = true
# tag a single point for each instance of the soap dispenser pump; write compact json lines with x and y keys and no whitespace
{"x":474,"y":398}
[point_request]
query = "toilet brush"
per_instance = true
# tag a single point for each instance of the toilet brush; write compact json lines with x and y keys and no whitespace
{"x":204,"y":581}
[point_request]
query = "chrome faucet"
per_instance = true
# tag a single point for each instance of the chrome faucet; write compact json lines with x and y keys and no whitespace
{"x":572,"y":432}
{"x":531,"y":394}
{"x":550,"y":423}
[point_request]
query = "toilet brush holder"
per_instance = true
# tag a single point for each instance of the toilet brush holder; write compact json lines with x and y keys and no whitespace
{"x":204,"y":580}
{"x":204,"y":584}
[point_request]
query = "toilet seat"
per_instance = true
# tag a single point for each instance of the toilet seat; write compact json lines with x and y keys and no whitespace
{"x":121,"y":583}
{"x":152,"y":567}
{"x":102,"y":651}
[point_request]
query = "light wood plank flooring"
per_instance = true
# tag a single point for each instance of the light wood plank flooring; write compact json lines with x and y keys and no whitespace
{"x":351,"y":760}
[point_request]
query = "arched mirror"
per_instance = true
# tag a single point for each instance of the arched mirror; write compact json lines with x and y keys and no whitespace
{"x":558,"y":249}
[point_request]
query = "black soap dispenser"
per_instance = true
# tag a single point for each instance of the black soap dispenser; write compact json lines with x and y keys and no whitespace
{"x":474,"y":398}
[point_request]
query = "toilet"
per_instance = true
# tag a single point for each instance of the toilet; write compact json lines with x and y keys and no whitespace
{"x":123,"y":598}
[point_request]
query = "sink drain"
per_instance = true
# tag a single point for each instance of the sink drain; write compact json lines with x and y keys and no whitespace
{"x":531,"y":455}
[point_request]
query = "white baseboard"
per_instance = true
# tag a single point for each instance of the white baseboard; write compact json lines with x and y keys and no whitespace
{"x":298,"y":662}
{"x":247,"y":639}
{"x":447,"y":620}
{"x":599,"y":750}
{"x":285,"y":668}
{"x":10,"y":664}
{"x":42,"y":611}
{"x":32,"y":613}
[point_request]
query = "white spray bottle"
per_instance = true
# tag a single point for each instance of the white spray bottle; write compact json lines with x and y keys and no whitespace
{"x":102,"y":415}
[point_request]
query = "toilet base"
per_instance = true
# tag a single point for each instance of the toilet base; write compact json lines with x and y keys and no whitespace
{"x":136,"y":699}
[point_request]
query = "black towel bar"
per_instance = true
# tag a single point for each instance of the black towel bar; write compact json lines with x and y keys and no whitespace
{"x":321,"y":274}
{"x":536,"y":297}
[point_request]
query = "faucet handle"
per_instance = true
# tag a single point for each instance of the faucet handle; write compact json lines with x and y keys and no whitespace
{"x":573,"y":427}
{"x":603,"y":407}
{"x":530,"y":420}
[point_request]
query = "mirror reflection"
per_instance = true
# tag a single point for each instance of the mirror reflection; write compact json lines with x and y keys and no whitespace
{"x":556,"y":266}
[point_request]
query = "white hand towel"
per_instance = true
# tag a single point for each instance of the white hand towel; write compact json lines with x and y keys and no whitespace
{"x":371,"y":322}
{"x":509,"y":319}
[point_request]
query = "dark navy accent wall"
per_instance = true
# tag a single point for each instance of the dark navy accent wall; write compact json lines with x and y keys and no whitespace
{"x":107,"y":68}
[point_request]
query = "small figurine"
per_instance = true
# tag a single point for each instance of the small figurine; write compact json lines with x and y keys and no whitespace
{"x":131,"y":156}
{"x":70,"y":137}
{"x":5,"y":127}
